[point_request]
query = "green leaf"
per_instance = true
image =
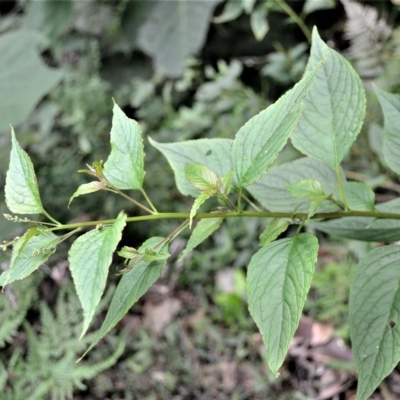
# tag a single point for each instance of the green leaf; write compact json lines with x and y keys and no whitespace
{"x":90,"y":257}
{"x":315,"y":5}
{"x":271,"y":192}
{"x":390,"y":104}
{"x":125,"y":166}
{"x":87,"y":188}
{"x":151,"y":255}
{"x":20,"y":62}
{"x":133,"y":285}
{"x":128,"y":252}
{"x":174,"y":30}
{"x":359,"y":196}
{"x":334,"y":108}
{"x":202,"y":177}
{"x":278,"y":279}
{"x":29,"y":253}
{"x":212,"y":153}
{"x":22,"y":192}
{"x":273,"y":230}
{"x":259,"y":23}
{"x":365,"y":228}
{"x":203,"y":196}
{"x":201,"y":232}
{"x":374,"y":317}
{"x":306,"y":189}
{"x":259,"y":141}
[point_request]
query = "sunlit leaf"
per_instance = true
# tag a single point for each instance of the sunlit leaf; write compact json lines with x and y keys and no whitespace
{"x":273,"y":230}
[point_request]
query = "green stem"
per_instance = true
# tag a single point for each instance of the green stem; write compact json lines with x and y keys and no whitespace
{"x":341,"y":190}
{"x":248,"y":214}
{"x":251,"y":203}
{"x":240,"y":200}
{"x":114,"y":189}
{"x":51,"y":218}
{"x":296,"y":18}
{"x":149,"y":201}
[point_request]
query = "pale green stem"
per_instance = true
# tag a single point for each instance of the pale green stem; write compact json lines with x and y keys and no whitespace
{"x":234,"y":214}
{"x":149,"y":201}
{"x":296,"y":18}
{"x":240,"y":200}
{"x":251,"y":203}
{"x":51,"y":218}
{"x":341,"y":190}
{"x":131,"y":200}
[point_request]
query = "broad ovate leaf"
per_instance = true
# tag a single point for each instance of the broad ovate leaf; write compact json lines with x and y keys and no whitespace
{"x":125,"y":166}
{"x":278,"y":279}
{"x":212,"y":153}
{"x":306,"y":189}
{"x":203,"y":196}
{"x":359,"y":196}
{"x":90,"y":257}
{"x":87,"y":188}
{"x":29,"y":253}
{"x":22,"y":192}
{"x":201,"y":232}
{"x":259,"y":141}
{"x":390,"y":104}
{"x":273,"y":230}
{"x":365,"y":228}
{"x":334,"y":108}
{"x":133,"y":285}
{"x":202,"y":177}
{"x":374,"y":317}
{"x":272,"y":193}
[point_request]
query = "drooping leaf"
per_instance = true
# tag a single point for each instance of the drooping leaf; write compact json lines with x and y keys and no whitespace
{"x":22,"y":192}
{"x":334,"y":108}
{"x":87,"y":188}
{"x":89,"y":258}
{"x":128,"y":252}
{"x":271,"y":192}
{"x":390,"y":104}
{"x":201,"y":232}
{"x":365,"y":228}
{"x":213,"y":153}
{"x":359,"y":196}
{"x":374,"y":317}
{"x":203,"y":196}
{"x":29,"y":253}
{"x":259,"y":141}
{"x":133,"y":285}
{"x":19,"y":63}
{"x":202,"y":177}
{"x":315,"y":5}
{"x":174,"y":30}
{"x":273,"y":230}
{"x":125,"y":165}
{"x":306,"y":189}
{"x":278,"y":279}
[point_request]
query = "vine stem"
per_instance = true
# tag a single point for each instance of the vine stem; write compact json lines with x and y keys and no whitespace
{"x":296,"y":18}
{"x":113,"y":189}
{"x":51,"y":218}
{"x":247,"y":214}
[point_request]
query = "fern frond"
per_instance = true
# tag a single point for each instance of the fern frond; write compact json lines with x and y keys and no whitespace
{"x":368,"y":35}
